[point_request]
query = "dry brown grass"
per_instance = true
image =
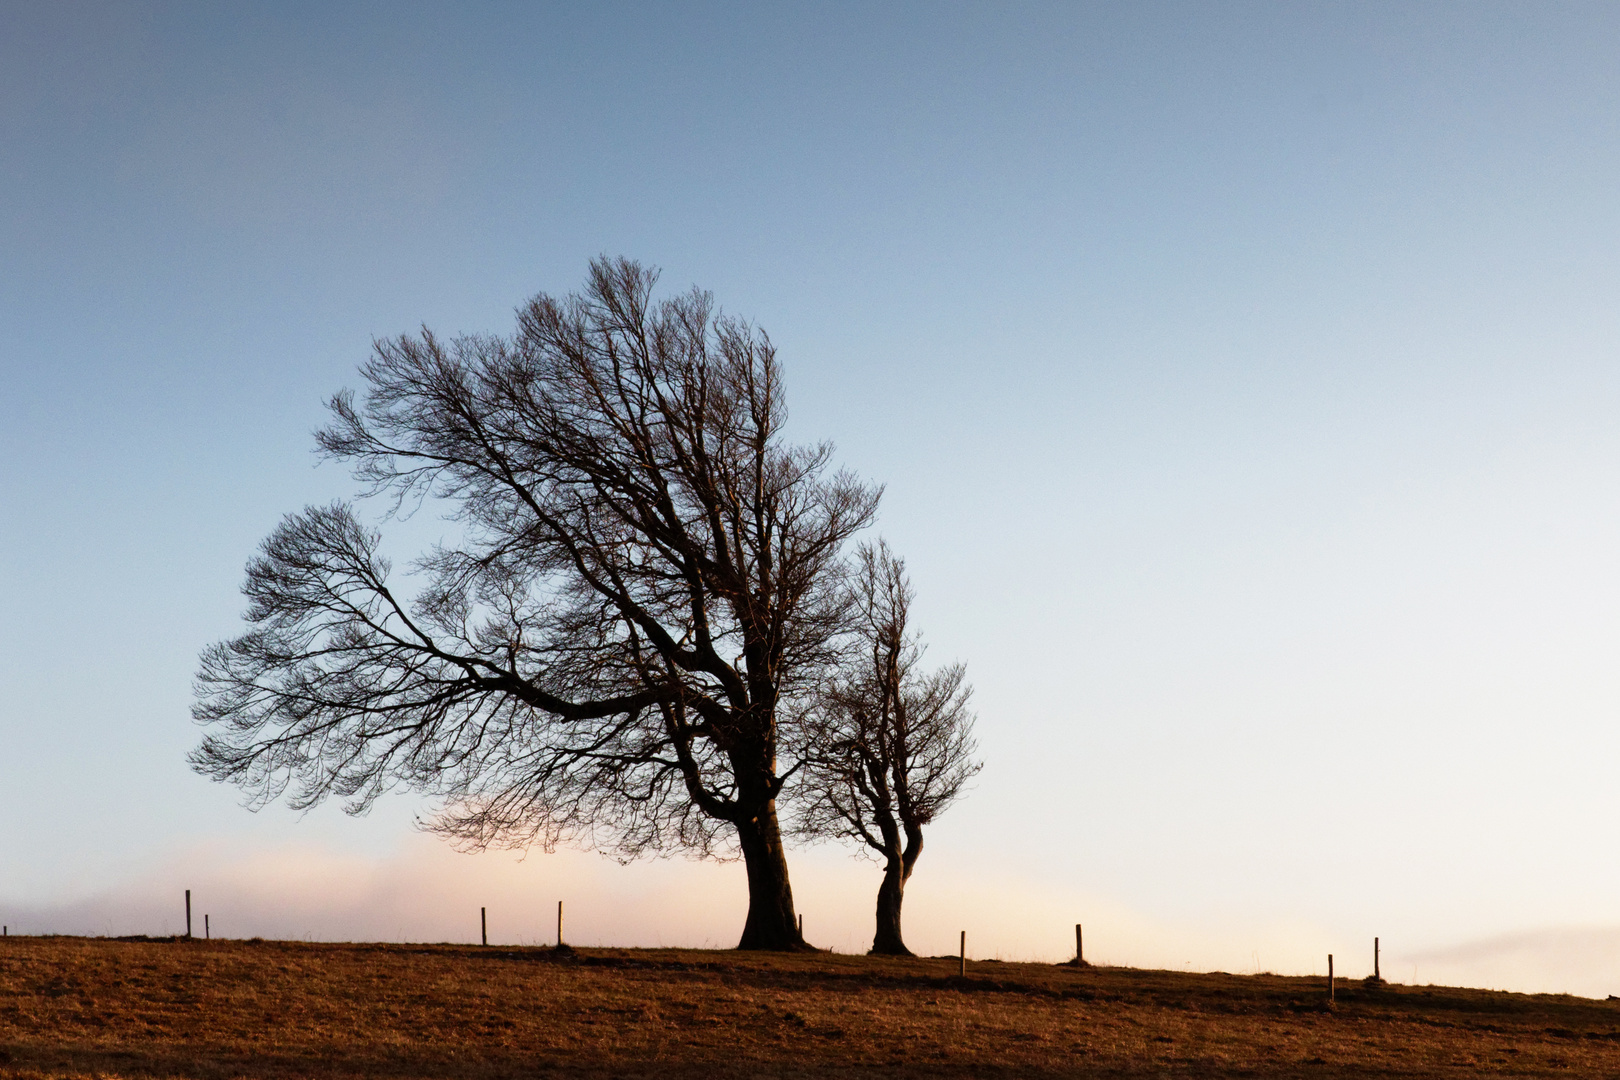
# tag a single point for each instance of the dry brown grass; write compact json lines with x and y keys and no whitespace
{"x":85,"y":1007}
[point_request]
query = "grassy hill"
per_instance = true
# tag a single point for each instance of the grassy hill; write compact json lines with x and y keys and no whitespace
{"x":91,"y":1007}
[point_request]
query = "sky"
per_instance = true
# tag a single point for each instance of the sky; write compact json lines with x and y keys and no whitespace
{"x":1243,"y":377}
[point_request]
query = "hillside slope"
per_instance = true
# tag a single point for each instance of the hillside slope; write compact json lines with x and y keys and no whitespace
{"x":90,"y":1007}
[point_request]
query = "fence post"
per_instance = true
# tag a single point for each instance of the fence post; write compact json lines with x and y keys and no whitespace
{"x":207,"y":936}
{"x":1079,"y":947}
{"x":188,"y":913}
{"x":559,"y":924}
{"x":483,"y":925}
{"x":1377,"y":977}
{"x":1330,"y":976}
{"x":961,"y":966}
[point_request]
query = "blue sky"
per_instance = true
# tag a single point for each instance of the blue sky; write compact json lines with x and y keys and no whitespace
{"x":1243,"y":377}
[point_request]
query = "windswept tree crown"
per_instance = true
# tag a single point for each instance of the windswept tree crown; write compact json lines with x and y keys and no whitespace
{"x":647,"y":582}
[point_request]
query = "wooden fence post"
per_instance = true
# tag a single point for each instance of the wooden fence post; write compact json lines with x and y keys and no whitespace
{"x":206,"y":935}
{"x":961,"y":965}
{"x":188,"y":913}
{"x":1079,"y":947}
{"x":1377,"y":977}
{"x":1330,"y":976}
{"x":559,"y":924}
{"x":483,"y":925}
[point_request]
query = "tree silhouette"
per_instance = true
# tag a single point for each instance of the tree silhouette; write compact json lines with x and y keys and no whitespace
{"x":891,"y":746}
{"x":648,"y":582}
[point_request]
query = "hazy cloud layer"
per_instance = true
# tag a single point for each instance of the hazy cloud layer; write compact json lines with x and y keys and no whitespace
{"x":1581,"y":960}
{"x":427,"y":892}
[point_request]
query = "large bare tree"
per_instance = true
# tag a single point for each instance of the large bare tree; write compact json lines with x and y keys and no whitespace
{"x":646,"y":583}
{"x":891,"y":745}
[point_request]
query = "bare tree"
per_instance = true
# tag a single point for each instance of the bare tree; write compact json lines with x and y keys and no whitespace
{"x":646,"y":581}
{"x":891,"y":745}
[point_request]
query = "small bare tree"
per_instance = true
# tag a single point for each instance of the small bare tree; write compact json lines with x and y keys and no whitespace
{"x":647,"y":581}
{"x":891,"y":745}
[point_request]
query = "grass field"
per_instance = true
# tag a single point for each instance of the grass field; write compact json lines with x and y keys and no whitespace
{"x":90,"y":1007}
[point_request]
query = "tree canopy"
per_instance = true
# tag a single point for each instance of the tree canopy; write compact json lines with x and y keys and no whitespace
{"x":647,"y":589}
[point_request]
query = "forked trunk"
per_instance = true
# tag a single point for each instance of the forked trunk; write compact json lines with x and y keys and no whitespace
{"x":771,"y":924}
{"x":891,"y":894}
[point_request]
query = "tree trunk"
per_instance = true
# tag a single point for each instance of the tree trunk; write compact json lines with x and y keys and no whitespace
{"x":771,"y":923}
{"x":891,"y":894}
